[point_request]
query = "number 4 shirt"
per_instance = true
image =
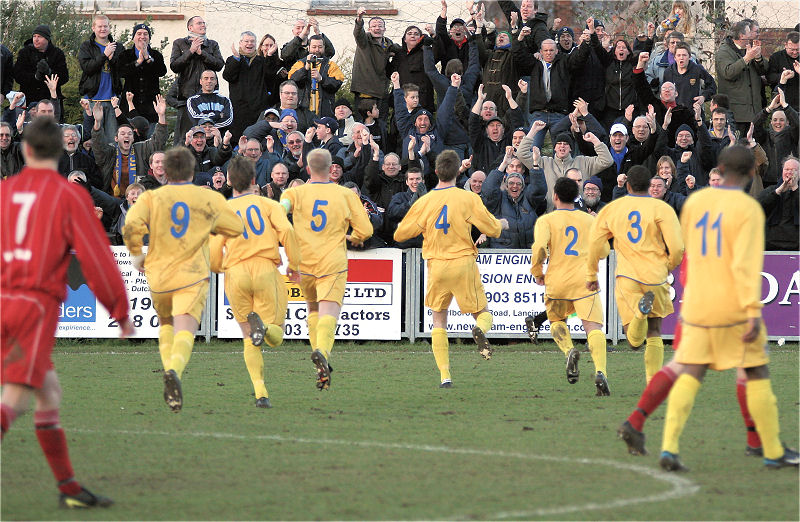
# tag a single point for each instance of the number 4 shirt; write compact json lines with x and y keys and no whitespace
{"x":179,"y":218}
{"x":445,"y":217}
{"x":647,"y":239}
{"x":322,"y":213}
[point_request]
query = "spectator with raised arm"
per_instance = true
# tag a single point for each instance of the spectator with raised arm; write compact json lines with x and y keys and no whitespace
{"x":489,"y":143}
{"x":782,"y":208}
{"x":409,"y":64}
{"x":142,"y":67}
{"x":298,"y":47}
{"x":779,"y":140}
{"x":784,"y":70}
{"x":370,"y":60}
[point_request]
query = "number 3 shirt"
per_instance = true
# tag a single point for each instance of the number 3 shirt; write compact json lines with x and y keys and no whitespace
{"x":322,"y":213}
{"x":565,"y":234}
{"x":445,"y":217}
{"x":724,"y":231}
{"x":647,"y":239}
{"x":179,"y":218}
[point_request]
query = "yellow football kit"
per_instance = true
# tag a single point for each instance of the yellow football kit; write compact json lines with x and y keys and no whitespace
{"x":724,"y":232}
{"x":252,"y":280}
{"x":179,"y":218}
{"x":563,"y":236}
{"x":445,"y":217}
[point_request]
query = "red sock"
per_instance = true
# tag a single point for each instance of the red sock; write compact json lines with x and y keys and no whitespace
{"x":54,"y":445}
{"x":7,"y":416}
{"x":652,"y":396}
{"x":753,"y":440}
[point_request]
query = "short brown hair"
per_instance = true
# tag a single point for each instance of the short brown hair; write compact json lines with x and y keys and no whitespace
{"x":736,"y":160}
{"x":447,"y":164}
{"x":241,"y":172}
{"x":45,"y":139}
{"x":179,"y":164}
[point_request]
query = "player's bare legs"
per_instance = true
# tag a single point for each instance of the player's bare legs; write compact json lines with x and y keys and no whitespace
{"x":441,"y":347}
{"x":483,"y":323}
{"x":185,"y":326}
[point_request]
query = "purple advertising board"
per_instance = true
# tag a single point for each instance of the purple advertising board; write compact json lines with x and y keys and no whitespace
{"x":780,"y":294}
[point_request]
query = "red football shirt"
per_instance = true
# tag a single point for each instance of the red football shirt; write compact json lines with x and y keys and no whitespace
{"x":44,"y":217}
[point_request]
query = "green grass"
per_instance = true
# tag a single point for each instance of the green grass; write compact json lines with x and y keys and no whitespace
{"x":511,"y":440}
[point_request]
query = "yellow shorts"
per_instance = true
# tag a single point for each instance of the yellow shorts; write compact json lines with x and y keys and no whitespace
{"x":325,"y":288}
{"x":189,"y":300}
{"x":256,"y":286}
{"x":589,"y":308}
{"x":457,"y":278}
{"x":721,"y":348}
{"x":628,"y":293}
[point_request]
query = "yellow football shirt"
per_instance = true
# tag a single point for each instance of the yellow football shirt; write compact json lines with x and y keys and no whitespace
{"x":445,"y":217}
{"x":564,"y":233}
{"x":647,"y":239}
{"x":724,"y":231}
{"x":265,"y":224}
{"x":322,"y":213}
{"x":179,"y":218}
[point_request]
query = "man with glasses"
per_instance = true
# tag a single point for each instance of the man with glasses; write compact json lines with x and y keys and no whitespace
{"x":290,"y":99}
{"x":190,"y":57}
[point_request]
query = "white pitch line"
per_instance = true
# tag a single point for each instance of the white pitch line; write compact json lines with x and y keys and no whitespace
{"x":681,"y":486}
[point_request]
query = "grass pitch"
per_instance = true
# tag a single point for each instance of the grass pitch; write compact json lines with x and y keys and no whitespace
{"x":511,"y":440}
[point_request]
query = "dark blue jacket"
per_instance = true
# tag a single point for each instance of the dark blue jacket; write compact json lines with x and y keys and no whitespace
{"x":520,"y":214}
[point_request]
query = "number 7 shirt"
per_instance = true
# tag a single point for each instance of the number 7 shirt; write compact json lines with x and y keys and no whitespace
{"x":322,"y":213}
{"x":647,"y":239}
{"x":179,"y":218}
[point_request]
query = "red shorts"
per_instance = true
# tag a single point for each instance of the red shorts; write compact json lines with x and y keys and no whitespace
{"x":27,"y":336}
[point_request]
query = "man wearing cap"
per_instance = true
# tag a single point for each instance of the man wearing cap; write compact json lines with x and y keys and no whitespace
{"x":141,"y":67}
{"x":624,"y":158}
{"x":204,"y":155}
{"x":36,"y":60}
{"x":557,"y":166}
{"x":692,"y":146}
{"x":250,"y":77}
{"x":326,"y":127}
{"x":451,"y":44}
{"x":519,"y":203}
{"x":122,"y":163}
{"x":101,"y":80}
{"x":590,"y":197}
{"x":190,"y":57}
{"x":208,"y":103}
{"x":343,"y":112}
{"x":565,"y":37}
{"x":318,"y":79}
{"x":489,"y":143}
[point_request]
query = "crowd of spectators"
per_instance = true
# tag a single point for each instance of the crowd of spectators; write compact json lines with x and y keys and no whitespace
{"x":521,"y":102}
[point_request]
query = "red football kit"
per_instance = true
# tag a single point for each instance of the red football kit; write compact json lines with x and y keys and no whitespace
{"x":44,"y":218}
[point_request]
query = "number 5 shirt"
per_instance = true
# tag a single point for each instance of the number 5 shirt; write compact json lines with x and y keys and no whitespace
{"x":647,"y":239}
{"x":322,"y":213}
{"x":179,"y":218}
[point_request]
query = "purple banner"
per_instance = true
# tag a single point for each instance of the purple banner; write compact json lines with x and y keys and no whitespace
{"x":780,"y":293}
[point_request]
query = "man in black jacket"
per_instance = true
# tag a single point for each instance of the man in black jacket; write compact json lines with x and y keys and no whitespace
{"x":781,"y":206}
{"x":190,"y":57}
{"x":141,"y":67}
{"x":787,"y":60}
{"x":74,"y":158}
{"x":401,"y":202}
{"x":101,"y":80}
{"x":36,"y":60}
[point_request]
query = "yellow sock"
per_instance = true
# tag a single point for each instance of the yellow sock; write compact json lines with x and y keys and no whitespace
{"x":653,"y":356}
{"x":313,"y":320}
{"x":255,"y":367}
{"x":561,"y":336}
{"x":596,"y":340}
{"x":484,"y":321}
{"x":181,"y":351}
{"x":326,"y":330}
{"x":679,"y":406}
{"x":637,"y":331}
{"x":274,"y":335}
{"x":165,"y":339}
{"x":764,"y":409}
{"x":440,"y":346}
